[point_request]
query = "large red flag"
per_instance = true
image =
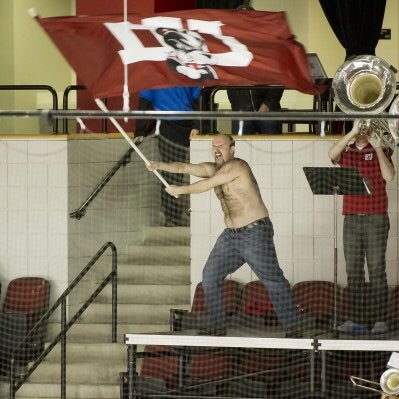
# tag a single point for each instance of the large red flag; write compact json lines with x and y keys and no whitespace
{"x":181,"y":48}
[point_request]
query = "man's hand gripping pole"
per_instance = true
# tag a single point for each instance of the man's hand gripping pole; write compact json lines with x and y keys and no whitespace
{"x":104,"y":108}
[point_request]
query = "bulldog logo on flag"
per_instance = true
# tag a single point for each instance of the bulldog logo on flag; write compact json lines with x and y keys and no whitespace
{"x":185,"y":50}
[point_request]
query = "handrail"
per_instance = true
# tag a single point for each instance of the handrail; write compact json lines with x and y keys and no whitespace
{"x":15,"y":383}
{"x":38,"y":87}
{"x":65,"y":107}
{"x":125,"y":159}
{"x":317,"y":103}
{"x":65,"y":104}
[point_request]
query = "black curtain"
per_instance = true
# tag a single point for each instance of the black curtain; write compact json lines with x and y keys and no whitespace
{"x":356,"y":23}
{"x":220,"y":3}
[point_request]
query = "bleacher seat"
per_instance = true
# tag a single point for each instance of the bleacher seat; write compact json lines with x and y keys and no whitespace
{"x":26,"y":301}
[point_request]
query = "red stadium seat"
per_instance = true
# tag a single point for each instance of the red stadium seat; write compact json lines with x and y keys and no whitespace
{"x":26,"y":301}
{"x":197,"y":316}
{"x":163,"y":366}
{"x":256,"y":309}
{"x":315,"y":299}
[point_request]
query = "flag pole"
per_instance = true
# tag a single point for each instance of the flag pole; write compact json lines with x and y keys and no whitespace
{"x":104,"y":108}
{"x":126,"y":94}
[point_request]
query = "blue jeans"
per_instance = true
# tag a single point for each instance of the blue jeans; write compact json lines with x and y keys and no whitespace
{"x":254,"y":246}
{"x":365,"y":238}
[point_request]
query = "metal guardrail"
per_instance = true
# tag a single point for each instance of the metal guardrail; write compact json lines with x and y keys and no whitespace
{"x":17,"y":381}
{"x":184,"y":115}
{"x":318,"y":102}
{"x":38,"y":87}
{"x":80,"y":212}
{"x":65,"y":106}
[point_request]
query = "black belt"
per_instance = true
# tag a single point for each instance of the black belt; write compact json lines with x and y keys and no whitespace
{"x":249,"y":226}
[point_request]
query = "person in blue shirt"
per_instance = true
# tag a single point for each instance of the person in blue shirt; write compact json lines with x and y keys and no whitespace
{"x":174,"y":138}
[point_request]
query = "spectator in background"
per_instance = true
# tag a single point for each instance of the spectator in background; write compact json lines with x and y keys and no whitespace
{"x":174,"y":139}
{"x":258,"y":100}
{"x":366,"y":227}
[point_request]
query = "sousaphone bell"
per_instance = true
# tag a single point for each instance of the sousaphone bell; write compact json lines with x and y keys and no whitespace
{"x":367,"y":83}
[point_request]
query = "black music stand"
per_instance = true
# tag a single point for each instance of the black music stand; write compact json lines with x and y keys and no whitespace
{"x":336,"y":181}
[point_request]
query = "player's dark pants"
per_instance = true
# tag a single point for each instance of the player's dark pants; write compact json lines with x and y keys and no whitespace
{"x":365,"y":239}
{"x":174,"y":144}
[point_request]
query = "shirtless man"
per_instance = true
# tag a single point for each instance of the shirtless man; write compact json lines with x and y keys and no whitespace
{"x":248,"y":237}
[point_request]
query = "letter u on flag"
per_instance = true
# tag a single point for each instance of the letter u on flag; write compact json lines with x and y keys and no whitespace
{"x":208,"y":48}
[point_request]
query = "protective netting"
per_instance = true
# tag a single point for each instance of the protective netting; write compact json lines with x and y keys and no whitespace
{"x":290,"y":293}
{"x":176,"y":211}
{"x":346,"y":299}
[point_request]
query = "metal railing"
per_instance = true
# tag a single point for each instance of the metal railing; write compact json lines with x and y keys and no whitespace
{"x":319,"y":103}
{"x":17,"y":381}
{"x":65,"y":106}
{"x":38,"y":87}
{"x":80,"y":212}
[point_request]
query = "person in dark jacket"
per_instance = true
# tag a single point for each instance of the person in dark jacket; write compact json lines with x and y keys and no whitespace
{"x":258,"y":100}
{"x":174,"y":139}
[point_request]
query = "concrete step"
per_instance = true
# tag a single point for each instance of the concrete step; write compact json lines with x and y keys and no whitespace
{"x":159,"y":255}
{"x":106,"y":372}
{"x":85,"y":352}
{"x":157,"y":235}
{"x":101,"y":332}
{"x":128,"y":313}
{"x":153,"y":274}
{"x":76,"y":391}
{"x":152,"y":279}
{"x":146,"y":294}
{"x":82,"y":353}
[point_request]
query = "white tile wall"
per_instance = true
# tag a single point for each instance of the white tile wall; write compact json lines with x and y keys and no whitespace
{"x":31,"y":244}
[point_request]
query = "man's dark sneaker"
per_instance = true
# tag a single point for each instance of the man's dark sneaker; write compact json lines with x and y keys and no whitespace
{"x":349,"y":327}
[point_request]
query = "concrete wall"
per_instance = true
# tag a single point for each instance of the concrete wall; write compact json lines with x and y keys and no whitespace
{"x":29,"y":57}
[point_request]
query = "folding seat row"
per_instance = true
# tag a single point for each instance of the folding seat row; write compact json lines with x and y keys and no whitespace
{"x":263,"y":370}
{"x":222,"y":371}
{"x":250,"y":305}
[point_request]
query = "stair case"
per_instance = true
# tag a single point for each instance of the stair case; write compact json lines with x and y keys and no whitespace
{"x":155,"y":278}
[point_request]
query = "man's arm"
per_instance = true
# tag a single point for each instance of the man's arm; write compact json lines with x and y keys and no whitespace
{"x":386,"y":165}
{"x":205,"y":169}
{"x":225,"y":174}
{"x":337,"y":149}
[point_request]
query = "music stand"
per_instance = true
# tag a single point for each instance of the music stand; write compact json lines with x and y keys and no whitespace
{"x":336,"y":181}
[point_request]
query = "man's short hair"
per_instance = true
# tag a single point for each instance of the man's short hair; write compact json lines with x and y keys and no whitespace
{"x":230,"y":136}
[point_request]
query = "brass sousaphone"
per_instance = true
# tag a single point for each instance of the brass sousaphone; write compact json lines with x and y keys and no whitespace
{"x":367,"y":83}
